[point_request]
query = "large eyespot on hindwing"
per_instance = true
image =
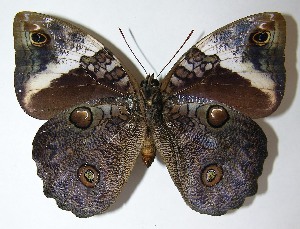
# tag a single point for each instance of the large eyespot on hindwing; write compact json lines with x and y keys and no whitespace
{"x":39,"y":38}
{"x":211,"y":175}
{"x":260,"y":37}
{"x":88,"y":175}
{"x":217,"y":116}
{"x":81,"y":117}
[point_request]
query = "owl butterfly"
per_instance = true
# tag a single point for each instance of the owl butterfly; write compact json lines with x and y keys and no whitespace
{"x":198,"y":117}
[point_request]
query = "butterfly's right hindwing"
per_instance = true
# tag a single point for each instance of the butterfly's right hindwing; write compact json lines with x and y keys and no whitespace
{"x":214,"y":154}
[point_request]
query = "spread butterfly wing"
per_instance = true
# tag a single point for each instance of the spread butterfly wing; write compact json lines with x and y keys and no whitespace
{"x":85,"y":155}
{"x":214,"y":154}
{"x":241,"y":65}
{"x":58,"y":66}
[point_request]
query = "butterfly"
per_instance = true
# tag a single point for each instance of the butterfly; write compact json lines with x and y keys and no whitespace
{"x":198,"y":118}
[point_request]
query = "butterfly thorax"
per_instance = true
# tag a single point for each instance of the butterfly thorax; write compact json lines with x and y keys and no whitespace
{"x":153,"y":105}
{"x":152,"y":96}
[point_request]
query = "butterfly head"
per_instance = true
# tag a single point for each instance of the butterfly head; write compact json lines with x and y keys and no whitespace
{"x":150,"y":89}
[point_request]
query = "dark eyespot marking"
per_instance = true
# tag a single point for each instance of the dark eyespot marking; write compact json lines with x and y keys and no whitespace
{"x":88,"y":175}
{"x":260,"y":38}
{"x":211,"y":175}
{"x":81,"y":117}
{"x":39,"y":38}
{"x":217,"y":116}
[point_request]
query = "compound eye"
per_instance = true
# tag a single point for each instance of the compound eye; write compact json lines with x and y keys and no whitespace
{"x":155,"y":82}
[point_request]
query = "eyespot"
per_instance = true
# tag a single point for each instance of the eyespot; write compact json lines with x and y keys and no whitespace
{"x":88,"y":175}
{"x":211,"y":175}
{"x":39,"y":38}
{"x":260,"y":38}
{"x":81,"y":117}
{"x":217,"y":116}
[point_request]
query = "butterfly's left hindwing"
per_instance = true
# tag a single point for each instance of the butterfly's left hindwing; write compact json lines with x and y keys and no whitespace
{"x":85,"y":155}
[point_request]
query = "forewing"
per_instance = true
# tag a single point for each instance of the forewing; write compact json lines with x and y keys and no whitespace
{"x":58,"y":66}
{"x":241,"y":65}
{"x":85,"y":155}
{"x":214,"y":154}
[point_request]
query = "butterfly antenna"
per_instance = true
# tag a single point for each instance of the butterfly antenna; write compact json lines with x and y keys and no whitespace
{"x":188,"y":37}
{"x":132,"y":51}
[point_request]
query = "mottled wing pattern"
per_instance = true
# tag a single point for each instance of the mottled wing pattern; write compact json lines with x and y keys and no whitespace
{"x":86,"y":151}
{"x":58,"y":66}
{"x":197,"y":119}
{"x":241,"y":65}
{"x":85,"y":155}
{"x":213,"y":153}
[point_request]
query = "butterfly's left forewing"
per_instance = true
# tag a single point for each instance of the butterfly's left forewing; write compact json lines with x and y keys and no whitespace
{"x":58,"y":66}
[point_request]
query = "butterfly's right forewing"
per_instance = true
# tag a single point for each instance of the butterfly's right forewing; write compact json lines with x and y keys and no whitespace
{"x":241,"y":65}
